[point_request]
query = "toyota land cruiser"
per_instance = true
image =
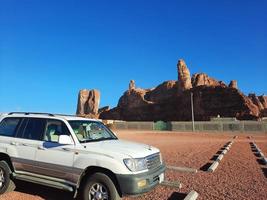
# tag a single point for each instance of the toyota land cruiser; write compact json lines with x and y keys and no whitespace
{"x":76,"y":154}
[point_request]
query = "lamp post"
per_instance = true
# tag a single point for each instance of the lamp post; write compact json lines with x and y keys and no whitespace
{"x":192,"y":110}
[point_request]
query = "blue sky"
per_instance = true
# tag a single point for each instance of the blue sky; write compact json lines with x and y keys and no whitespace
{"x":51,"y":49}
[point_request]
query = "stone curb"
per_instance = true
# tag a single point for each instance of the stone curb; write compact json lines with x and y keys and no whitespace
{"x":224,"y":152}
{"x":191,"y":195}
{"x":264,"y":159}
{"x":213,"y":166}
{"x":261,"y":154}
{"x":220,"y":157}
{"x":182,"y":169}
{"x":173,"y":184}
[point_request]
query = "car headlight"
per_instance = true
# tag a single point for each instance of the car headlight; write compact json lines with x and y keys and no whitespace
{"x":135,"y":164}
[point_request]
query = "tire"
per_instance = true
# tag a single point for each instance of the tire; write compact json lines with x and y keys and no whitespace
{"x":100,"y":187}
{"x":6,"y":184}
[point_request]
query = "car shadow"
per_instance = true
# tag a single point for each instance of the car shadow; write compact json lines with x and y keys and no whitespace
{"x":260,"y":161}
{"x":214,"y":158}
{"x":177,"y":196}
{"x":44,"y":192}
{"x":264,"y":170}
{"x":205,"y":167}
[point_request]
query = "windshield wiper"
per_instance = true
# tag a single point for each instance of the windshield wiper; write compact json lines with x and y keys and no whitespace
{"x":97,"y":140}
{"x":88,"y":140}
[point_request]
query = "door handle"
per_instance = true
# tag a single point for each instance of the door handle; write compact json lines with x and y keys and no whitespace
{"x":41,"y":148}
{"x":14,"y":143}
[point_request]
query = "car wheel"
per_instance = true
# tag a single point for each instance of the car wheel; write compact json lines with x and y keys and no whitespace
{"x":5,"y":182}
{"x":100,"y":187}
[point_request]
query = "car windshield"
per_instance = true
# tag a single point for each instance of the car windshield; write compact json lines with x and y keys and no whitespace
{"x":91,"y":131}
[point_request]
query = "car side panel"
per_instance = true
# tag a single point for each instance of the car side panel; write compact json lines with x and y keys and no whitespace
{"x":56,"y":160}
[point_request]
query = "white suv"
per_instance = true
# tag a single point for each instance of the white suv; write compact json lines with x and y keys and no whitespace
{"x":75,"y":154}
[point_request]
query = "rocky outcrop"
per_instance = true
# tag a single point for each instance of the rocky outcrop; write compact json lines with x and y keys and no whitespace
{"x":263,"y":100}
{"x":88,"y":103}
{"x":233,"y":84}
{"x":203,"y":79}
{"x":132,"y":85}
{"x":170,"y":101}
{"x":163,"y":92}
{"x":133,"y":98}
{"x":208,"y":102}
{"x":256,"y":101}
{"x":103,"y":109}
{"x":184,"y":78}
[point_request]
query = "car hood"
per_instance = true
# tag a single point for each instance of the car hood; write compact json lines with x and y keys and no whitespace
{"x":124,"y":147}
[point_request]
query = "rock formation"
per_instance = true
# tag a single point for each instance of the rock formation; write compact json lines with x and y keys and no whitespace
{"x":203,"y":79}
{"x":184,"y":78}
{"x":133,"y":98}
{"x":208,"y":102}
{"x":132,"y":85}
{"x":170,"y":101}
{"x":103,"y":109}
{"x":263,"y":100}
{"x":233,"y":84}
{"x":162,"y":92}
{"x":88,"y":103}
{"x":256,"y":101}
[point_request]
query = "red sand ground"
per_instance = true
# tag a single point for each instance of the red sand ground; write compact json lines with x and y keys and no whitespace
{"x":240,"y":175}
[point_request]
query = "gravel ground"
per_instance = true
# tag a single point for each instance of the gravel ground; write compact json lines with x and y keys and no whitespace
{"x":240,"y":175}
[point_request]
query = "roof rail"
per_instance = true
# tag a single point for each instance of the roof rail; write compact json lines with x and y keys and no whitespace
{"x":29,"y":113}
{"x":65,"y":115}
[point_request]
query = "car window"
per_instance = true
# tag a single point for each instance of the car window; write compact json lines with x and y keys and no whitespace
{"x":8,"y":126}
{"x":54,"y":129}
{"x":90,"y":131}
{"x":34,"y":129}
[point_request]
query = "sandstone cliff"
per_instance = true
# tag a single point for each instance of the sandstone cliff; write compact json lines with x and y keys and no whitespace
{"x":88,"y":103}
{"x":170,"y":101}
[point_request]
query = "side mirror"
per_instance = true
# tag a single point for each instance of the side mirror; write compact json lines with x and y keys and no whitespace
{"x":65,"y":139}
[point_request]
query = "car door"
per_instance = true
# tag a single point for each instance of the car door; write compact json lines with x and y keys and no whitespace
{"x":54,"y":159}
{"x":8,"y":129}
{"x":27,"y":140}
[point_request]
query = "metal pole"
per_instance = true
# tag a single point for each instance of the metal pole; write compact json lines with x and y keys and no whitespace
{"x":192,"y":109}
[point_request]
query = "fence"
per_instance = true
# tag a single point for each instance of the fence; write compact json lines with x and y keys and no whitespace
{"x":212,"y":126}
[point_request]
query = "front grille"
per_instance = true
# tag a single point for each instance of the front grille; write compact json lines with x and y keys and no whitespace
{"x":153,"y":161}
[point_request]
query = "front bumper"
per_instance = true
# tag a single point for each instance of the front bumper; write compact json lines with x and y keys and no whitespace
{"x":130,"y":183}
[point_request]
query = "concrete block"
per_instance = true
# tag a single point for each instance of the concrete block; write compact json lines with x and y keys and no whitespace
{"x":261,"y":154}
{"x":193,"y":195}
{"x":227,"y":148}
{"x":182,"y":169}
{"x":224,"y":151}
{"x":220,"y":157}
{"x":174,"y":184}
{"x":259,"y":150}
{"x":213,"y":166}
